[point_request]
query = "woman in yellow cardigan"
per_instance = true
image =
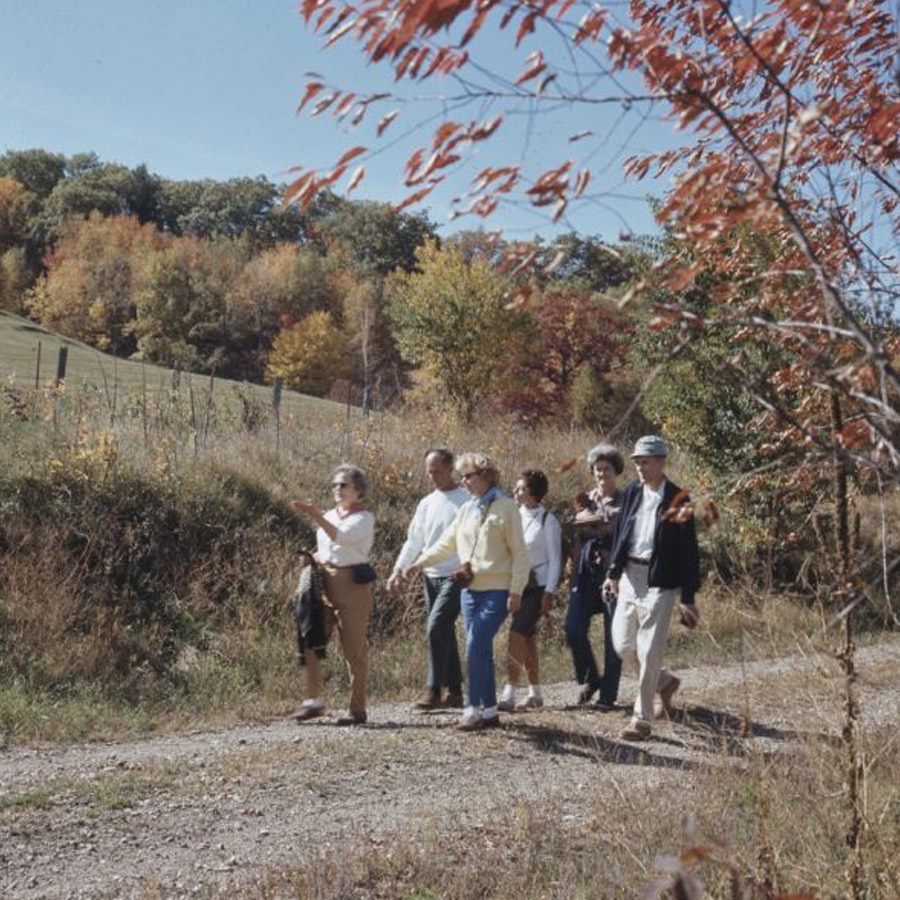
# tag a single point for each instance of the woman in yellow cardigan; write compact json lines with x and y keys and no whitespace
{"x":486,"y":534}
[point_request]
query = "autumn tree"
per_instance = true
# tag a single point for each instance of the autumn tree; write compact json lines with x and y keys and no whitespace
{"x":309,"y":356}
{"x":452,"y":318}
{"x":93,"y":276}
{"x":791,"y":110}
{"x":570,"y":330}
{"x":275,"y":289}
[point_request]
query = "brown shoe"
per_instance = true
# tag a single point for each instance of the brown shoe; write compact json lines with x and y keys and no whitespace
{"x":428,"y":700}
{"x":636,"y":730}
{"x":667,"y":693}
{"x":490,"y":722}
{"x":471,"y":723}
{"x":305,"y":713}
{"x":454,"y":700}
{"x":353,"y":718}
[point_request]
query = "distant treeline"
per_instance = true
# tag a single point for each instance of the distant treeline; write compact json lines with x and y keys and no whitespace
{"x":350,"y":298}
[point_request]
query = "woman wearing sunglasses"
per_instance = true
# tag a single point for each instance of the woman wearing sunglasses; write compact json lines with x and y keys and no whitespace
{"x":487,"y":537}
{"x":343,"y":541}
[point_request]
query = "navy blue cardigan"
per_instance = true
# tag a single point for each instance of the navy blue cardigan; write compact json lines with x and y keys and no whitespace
{"x":675,"y":561}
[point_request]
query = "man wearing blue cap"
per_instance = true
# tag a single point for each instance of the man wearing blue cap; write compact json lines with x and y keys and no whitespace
{"x":654,"y":559}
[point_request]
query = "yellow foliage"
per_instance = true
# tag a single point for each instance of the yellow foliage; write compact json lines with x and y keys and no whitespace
{"x":310,"y":355}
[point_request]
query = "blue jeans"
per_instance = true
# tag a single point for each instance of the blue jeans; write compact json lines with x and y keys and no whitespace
{"x":483,"y":614}
{"x":582,"y":607}
{"x":442,"y":604}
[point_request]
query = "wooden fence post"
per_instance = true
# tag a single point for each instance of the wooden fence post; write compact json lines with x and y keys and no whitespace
{"x":277,"y":386}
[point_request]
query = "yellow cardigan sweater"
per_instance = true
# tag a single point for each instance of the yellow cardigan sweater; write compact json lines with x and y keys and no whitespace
{"x":495,"y":549}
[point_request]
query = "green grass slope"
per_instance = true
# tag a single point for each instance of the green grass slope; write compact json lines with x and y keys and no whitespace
{"x":29,"y":352}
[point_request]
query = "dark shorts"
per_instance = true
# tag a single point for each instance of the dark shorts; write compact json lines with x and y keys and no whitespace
{"x":525,"y":620}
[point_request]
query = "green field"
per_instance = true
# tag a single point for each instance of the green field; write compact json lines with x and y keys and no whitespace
{"x":29,"y":353}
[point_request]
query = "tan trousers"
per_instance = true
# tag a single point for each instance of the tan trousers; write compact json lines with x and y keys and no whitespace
{"x":640,"y":627}
{"x":348,"y":606}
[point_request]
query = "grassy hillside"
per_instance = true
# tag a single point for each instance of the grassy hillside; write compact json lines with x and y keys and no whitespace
{"x":29,"y":352}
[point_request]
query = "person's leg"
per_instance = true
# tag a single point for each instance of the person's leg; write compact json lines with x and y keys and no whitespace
{"x":625,"y":623}
{"x":516,"y":657}
{"x":488,"y":613}
{"x":655,"y":613}
{"x":430,"y":591}
{"x":519,"y":652}
{"x":444,"y":651}
{"x":315,"y":667}
{"x":612,"y":663}
{"x":353,"y":607}
{"x":531,"y":661}
{"x":578,"y":625}
{"x":467,"y":607}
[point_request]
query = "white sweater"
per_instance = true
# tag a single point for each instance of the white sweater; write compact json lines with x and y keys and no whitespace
{"x":432,"y":516}
{"x":543,"y":538}
{"x":353,"y":541}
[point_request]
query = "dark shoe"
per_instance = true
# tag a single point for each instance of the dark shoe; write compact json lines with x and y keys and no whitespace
{"x":605,"y":706}
{"x":454,"y":700}
{"x":353,"y":718}
{"x":585,"y":694}
{"x":490,"y":722}
{"x":428,"y":700}
{"x":305,"y":713}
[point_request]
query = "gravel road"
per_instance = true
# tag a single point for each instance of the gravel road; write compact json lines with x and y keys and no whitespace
{"x":178,"y":815}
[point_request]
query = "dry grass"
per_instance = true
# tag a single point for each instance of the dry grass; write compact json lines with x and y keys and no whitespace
{"x":115,"y":627}
{"x":771,"y":826}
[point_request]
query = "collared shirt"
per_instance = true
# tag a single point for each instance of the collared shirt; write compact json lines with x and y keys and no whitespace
{"x":644,"y":531}
{"x":433,"y":515}
{"x":353,"y":541}
{"x":543,"y":538}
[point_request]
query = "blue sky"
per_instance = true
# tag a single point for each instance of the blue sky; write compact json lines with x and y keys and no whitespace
{"x":209,"y":89}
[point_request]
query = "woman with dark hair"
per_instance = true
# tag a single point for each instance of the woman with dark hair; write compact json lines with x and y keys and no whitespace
{"x":543,"y":539}
{"x":343,"y":541}
{"x":486,"y":536}
{"x":594,"y":525}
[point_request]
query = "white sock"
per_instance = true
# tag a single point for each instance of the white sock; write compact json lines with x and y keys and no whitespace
{"x":315,"y":702}
{"x":534,"y":690}
{"x":508,"y":692}
{"x":490,"y":712}
{"x":471,"y":712}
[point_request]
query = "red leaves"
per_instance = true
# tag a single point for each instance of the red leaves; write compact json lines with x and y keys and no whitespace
{"x":386,"y":121}
{"x":444,"y":132}
{"x":551,"y":187}
{"x":413,"y":198}
{"x":536,"y":65}
{"x":350,"y":155}
{"x":312,"y":88}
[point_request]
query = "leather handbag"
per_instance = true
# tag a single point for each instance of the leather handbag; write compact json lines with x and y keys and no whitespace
{"x":363,"y":573}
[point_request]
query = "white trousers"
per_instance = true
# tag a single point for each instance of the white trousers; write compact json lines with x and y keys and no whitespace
{"x":639,"y":631}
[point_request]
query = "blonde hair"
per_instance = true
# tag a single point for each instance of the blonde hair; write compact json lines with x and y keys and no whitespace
{"x":481,"y":463}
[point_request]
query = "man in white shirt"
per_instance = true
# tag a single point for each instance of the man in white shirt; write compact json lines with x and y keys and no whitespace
{"x":654,"y":565}
{"x":434,"y":513}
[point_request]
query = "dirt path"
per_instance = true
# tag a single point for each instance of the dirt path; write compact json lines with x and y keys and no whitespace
{"x":183,"y":813}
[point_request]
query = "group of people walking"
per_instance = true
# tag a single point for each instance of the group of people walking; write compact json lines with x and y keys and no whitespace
{"x":488,"y":556}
